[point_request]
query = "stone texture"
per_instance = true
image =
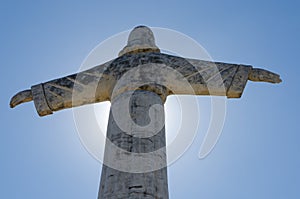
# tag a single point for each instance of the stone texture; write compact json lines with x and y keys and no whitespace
{"x":141,"y":39}
{"x":40,"y":101}
{"x":120,"y":184}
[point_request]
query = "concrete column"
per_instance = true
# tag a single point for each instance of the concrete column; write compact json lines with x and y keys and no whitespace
{"x":122,"y":184}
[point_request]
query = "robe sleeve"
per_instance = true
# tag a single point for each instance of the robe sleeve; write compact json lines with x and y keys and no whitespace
{"x":217,"y":78}
{"x":90,"y":86}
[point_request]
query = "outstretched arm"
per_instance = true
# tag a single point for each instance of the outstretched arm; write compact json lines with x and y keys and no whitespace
{"x":222,"y":79}
{"x":86,"y":87}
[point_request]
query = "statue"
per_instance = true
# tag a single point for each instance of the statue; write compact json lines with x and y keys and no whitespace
{"x":150,"y":84}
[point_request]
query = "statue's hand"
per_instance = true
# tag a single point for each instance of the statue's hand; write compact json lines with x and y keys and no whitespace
{"x":261,"y":75}
{"x":21,"y":97}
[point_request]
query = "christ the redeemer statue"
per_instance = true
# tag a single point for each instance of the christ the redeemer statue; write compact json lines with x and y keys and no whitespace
{"x":139,"y":78}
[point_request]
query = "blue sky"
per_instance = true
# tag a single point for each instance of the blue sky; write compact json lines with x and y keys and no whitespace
{"x":257,"y":155}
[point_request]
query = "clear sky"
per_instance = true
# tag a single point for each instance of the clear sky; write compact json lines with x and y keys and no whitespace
{"x":257,"y":155}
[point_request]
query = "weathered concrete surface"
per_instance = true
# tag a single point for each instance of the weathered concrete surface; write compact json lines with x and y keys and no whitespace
{"x":140,"y":39}
{"x":97,"y":84}
{"x":119,"y":184}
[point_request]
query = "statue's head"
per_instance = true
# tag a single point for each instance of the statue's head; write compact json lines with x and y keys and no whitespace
{"x":141,"y":39}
